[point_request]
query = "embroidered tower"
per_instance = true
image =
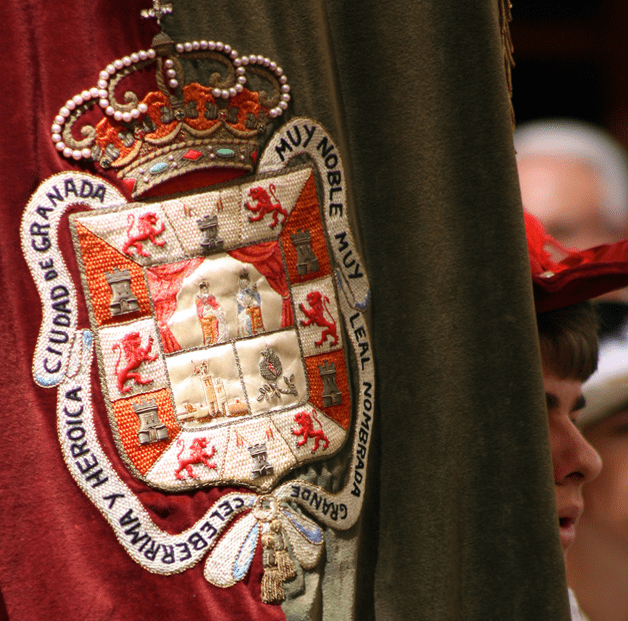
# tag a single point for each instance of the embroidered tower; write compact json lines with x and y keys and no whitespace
{"x":306,"y":259}
{"x":331,"y":394}
{"x":215,"y":395}
{"x":210,"y":241}
{"x":259,"y":453}
{"x":151,"y":427}
{"x":122,"y":299}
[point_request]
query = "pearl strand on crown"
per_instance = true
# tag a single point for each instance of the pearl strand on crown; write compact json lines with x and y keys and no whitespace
{"x":278,"y":71}
{"x":109,"y":71}
{"x":57,"y":127}
{"x":100,"y":92}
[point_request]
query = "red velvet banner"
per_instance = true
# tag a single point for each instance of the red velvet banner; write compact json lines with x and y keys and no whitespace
{"x":60,"y":558}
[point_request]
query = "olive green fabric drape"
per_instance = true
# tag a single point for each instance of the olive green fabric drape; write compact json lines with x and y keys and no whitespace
{"x":467,"y":523}
{"x":416,"y":95}
{"x":459,"y":519}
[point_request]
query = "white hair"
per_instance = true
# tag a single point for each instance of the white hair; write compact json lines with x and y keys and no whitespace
{"x":586,"y":143}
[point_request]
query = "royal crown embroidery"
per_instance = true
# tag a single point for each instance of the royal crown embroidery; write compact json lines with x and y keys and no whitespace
{"x":180,"y":126}
{"x":225,"y":321}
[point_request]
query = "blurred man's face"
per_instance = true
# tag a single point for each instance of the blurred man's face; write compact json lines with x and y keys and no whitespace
{"x":565,"y":196}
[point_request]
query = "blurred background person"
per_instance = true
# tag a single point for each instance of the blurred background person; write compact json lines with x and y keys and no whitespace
{"x":574,"y":179}
{"x":597,"y":562}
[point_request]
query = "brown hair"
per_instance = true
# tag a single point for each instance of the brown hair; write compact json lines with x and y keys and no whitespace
{"x":569,"y":340}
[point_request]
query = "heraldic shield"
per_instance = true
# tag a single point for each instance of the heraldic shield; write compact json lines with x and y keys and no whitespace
{"x":226,"y":324}
{"x":226,"y":321}
{"x":218,"y":332}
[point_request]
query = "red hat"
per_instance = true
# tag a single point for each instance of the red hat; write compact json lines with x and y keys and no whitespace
{"x":562,"y":277}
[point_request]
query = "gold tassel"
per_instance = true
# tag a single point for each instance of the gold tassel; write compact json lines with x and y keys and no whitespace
{"x":286,"y":567}
{"x":272,"y":586}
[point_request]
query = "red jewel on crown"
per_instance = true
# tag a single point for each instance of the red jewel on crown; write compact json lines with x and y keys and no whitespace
{"x":180,"y":126}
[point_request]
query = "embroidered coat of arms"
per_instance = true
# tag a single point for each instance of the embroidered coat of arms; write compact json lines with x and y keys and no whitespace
{"x":226,"y":321}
